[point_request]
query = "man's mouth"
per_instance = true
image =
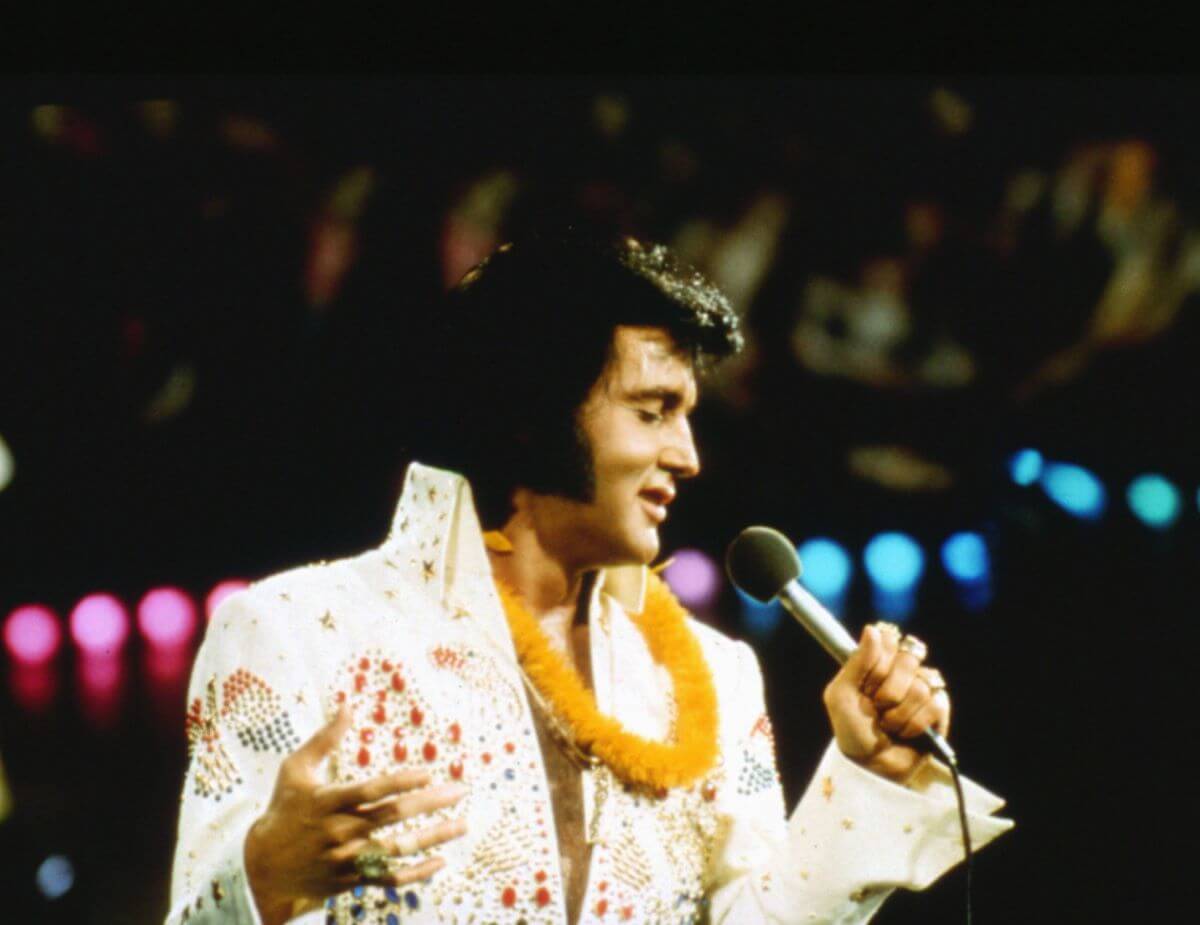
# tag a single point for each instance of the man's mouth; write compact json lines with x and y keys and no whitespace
{"x":655,"y":501}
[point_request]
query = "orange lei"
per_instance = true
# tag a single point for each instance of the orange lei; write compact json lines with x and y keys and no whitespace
{"x":632,"y":758}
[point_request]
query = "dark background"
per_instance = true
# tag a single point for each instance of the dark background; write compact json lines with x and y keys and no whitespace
{"x":209,"y":291}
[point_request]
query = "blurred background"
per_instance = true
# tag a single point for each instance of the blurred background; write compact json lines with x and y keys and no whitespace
{"x":970,"y":396}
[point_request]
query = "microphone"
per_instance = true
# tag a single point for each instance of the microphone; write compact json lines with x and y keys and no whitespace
{"x":763,"y":563}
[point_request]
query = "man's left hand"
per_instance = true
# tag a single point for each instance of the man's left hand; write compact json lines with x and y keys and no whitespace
{"x":881,"y":696}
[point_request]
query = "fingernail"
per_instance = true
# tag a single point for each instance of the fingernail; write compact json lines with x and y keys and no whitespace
{"x":456,"y":791}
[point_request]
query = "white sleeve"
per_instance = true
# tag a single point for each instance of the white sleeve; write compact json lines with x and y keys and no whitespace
{"x":852,"y":839}
{"x":245,"y":714}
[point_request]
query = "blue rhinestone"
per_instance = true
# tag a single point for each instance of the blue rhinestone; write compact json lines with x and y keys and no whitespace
{"x":509,"y":774}
{"x":358,"y":892}
{"x":391,"y":893}
{"x":412,"y":900}
{"x":357,"y":911}
{"x":393,"y":919}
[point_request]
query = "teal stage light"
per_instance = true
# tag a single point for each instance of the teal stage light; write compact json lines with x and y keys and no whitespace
{"x":965,"y":556}
{"x":826,"y":570}
{"x":1025,"y":466}
{"x":1076,"y":490}
{"x":1154,"y":500}
{"x":761,"y":620}
{"x":894,"y":561}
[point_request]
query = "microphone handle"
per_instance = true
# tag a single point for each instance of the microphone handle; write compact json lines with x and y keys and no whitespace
{"x":829,"y":632}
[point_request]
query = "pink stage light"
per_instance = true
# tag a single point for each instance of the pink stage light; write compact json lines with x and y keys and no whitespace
{"x":694,"y":578}
{"x":99,"y":625}
{"x":166,"y":617}
{"x":32,"y":634}
{"x":220,"y":592}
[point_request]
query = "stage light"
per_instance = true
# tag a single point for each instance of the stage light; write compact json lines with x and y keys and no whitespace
{"x":1025,"y":466}
{"x":32,"y":634}
{"x":219,"y":593}
{"x":1074,"y":489}
{"x":55,"y":876}
{"x":965,"y":557}
{"x":694,"y":578}
{"x":761,"y":620}
{"x":99,"y":625}
{"x":166,"y":617}
{"x":99,"y":681}
{"x":894,"y":561}
{"x":7,"y":465}
{"x":1154,"y":500}
{"x":826,"y":570}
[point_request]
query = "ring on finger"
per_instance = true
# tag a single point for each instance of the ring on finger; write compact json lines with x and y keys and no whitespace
{"x":913,"y":646}
{"x":934,"y":679}
{"x":371,"y":863}
{"x":885,"y":627}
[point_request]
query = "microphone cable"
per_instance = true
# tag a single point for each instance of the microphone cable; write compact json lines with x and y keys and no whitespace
{"x":966,"y":833}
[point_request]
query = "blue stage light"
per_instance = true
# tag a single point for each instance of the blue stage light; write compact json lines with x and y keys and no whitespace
{"x":826,"y":570}
{"x":894,"y":562}
{"x":760,"y":620}
{"x":55,"y":876}
{"x":1154,"y":500}
{"x":965,"y":556}
{"x":1025,"y":466}
{"x":1074,"y":489}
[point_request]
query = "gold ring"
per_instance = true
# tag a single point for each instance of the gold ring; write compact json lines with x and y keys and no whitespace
{"x":371,"y":863}
{"x":934,"y":679}
{"x":913,"y":646}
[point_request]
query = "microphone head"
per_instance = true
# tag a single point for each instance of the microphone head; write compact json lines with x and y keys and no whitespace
{"x":761,"y":561}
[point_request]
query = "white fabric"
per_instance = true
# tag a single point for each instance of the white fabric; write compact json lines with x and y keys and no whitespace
{"x":412,"y":633}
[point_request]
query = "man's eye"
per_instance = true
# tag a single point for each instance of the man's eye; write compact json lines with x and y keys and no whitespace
{"x":649,"y":417}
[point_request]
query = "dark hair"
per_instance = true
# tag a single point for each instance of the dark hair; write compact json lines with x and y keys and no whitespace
{"x":520,"y":341}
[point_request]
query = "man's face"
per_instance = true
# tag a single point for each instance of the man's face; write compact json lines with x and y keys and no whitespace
{"x":635,"y":423}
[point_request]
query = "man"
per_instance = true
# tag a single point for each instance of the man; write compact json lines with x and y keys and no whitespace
{"x":522,"y":725}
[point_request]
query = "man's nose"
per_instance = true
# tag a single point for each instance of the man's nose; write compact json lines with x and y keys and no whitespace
{"x":680,"y":456}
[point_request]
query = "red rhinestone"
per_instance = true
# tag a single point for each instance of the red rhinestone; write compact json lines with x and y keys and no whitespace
{"x":540,"y":876}
{"x":364,"y":664}
{"x":415,"y":716}
{"x":627,"y":913}
{"x":455,"y":732}
{"x":381,"y":694}
{"x":542,"y":896}
{"x":380,"y":715}
{"x":366,"y":736}
{"x":360,"y":681}
{"x":456,"y":770}
{"x":509,"y":747}
{"x":397,"y":683}
{"x":385,"y":665}
{"x":340,"y":697}
{"x":709,"y":792}
{"x":429,"y":751}
{"x":398,"y":732}
{"x":602,"y":907}
{"x":661,"y":793}
{"x":400,"y":752}
{"x":364,"y":757}
{"x":487,"y":757}
{"x":602,"y":885}
{"x":508,"y":897}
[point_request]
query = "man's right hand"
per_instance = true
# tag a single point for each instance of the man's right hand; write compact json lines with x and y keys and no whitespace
{"x":303,"y":847}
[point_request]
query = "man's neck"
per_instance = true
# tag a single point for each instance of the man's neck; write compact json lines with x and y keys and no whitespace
{"x":549,"y":585}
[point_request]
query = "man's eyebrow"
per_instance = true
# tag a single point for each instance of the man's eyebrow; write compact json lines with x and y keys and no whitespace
{"x":669,"y":397}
